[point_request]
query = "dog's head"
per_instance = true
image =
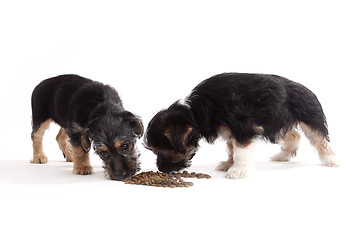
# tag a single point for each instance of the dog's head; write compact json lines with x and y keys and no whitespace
{"x":114,"y":138}
{"x":172,"y":135}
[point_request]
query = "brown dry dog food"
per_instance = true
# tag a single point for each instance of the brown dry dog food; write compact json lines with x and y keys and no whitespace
{"x":159,"y":179}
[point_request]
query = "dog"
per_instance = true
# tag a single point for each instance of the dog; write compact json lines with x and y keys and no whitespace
{"x":87,"y":112}
{"x":239,"y":107}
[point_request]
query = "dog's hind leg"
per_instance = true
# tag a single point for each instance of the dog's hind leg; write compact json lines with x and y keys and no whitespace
{"x":321,"y":144}
{"x":37,"y":138}
{"x":64,"y":144}
{"x":225,"y":165}
{"x":81,"y":161}
{"x":289,"y":146}
{"x":243,"y":160}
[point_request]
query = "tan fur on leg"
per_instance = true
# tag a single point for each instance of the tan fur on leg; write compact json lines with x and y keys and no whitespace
{"x":225,"y":165}
{"x":63,"y":140}
{"x":81,"y":161}
{"x":37,"y":137}
{"x":322,"y":146}
{"x":290,"y":144}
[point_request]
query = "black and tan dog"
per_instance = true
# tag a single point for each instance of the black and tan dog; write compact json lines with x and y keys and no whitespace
{"x":87,"y":111}
{"x":239,"y":108}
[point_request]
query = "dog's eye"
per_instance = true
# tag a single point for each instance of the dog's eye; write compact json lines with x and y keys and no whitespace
{"x":125,"y":147}
{"x":104,"y":154}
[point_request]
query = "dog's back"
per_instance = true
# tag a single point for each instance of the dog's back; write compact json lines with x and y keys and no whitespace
{"x":242,"y":100}
{"x":52,"y":91}
{"x":69,"y":98}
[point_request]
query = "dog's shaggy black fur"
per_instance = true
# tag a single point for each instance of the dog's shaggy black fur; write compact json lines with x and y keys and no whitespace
{"x":238,"y":105}
{"x":87,"y":111}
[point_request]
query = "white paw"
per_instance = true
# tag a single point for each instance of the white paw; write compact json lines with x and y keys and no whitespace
{"x":330,"y":161}
{"x":237,"y":173}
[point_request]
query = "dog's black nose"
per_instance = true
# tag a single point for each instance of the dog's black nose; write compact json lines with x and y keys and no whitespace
{"x":117,"y":177}
{"x":122,"y":175}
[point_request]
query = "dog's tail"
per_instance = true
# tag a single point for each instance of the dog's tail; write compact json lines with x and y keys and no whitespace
{"x":306,"y":109}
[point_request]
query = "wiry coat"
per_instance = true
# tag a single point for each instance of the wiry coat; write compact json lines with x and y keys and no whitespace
{"x":87,"y":111}
{"x":241,"y":101}
{"x":238,"y":107}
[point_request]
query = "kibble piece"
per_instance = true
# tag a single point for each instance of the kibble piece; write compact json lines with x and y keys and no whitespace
{"x":199,"y":175}
{"x":189,"y":184}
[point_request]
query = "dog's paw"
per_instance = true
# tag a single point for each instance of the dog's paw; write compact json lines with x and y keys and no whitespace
{"x":67,"y":153}
{"x":330,"y":161}
{"x":281,"y":157}
{"x":224,"y":166}
{"x":40,"y":159}
{"x":237,"y":173}
{"x":83,"y":170}
{"x":67,"y":157}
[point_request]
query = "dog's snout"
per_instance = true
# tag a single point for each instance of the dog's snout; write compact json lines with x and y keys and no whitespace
{"x":117,"y":177}
{"x":119,"y":170}
{"x":123,"y":175}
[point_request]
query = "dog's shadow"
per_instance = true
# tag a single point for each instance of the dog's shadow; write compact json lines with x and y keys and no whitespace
{"x":60,"y":171}
{"x":53,"y":172}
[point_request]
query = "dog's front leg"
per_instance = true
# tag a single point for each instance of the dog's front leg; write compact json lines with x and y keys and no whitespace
{"x":81,"y":161}
{"x":243,"y":160}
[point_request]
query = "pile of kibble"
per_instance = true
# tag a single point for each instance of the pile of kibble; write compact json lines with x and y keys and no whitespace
{"x":159,"y":179}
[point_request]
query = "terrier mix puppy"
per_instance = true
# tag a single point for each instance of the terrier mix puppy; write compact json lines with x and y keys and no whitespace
{"x":239,"y":107}
{"x":87,"y":111}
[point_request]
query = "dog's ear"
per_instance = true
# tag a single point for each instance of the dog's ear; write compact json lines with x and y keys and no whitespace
{"x":85,"y":141}
{"x":135,"y":123}
{"x":137,"y":126}
{"x":177,"y":136}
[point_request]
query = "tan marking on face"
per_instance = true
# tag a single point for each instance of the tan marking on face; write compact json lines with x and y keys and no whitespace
{"x":103,"y":148}
{"x":170,"y":129}
{"x":188,"y":130}
{"x":118,"y":143}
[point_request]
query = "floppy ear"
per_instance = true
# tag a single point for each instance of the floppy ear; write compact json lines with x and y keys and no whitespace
{"x":85,"y":141}
{"x":177,"y":136}
{"x":137,"y":126}
{"x":135,"y":123}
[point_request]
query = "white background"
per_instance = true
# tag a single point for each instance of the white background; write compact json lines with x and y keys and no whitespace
{"x":153,"y":53}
